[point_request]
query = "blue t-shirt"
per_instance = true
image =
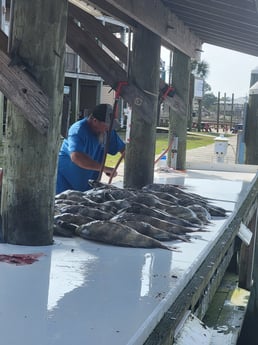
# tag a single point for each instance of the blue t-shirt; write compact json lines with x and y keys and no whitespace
{"x":82,"y":139}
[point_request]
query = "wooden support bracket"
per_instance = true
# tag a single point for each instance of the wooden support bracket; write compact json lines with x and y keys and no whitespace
{"x":23,"y":92}
{"x":85,"y":46}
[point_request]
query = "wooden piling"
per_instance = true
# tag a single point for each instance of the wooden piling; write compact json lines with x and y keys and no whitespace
{"x":251,"y":129}
{"x":140,"y":151}
{"x":38,"y":36}
{"x":178,"y":121}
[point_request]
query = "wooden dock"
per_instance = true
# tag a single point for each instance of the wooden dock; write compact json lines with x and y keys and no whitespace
{"x":81,"y":292}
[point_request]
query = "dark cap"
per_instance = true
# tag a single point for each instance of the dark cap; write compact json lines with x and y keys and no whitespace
{"x":102,"y":112}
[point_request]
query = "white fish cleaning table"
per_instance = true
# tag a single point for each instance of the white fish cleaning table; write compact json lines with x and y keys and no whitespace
{"x":81,"y":292}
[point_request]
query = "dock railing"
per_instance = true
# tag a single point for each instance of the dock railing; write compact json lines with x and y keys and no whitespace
{"x":229,"y":250}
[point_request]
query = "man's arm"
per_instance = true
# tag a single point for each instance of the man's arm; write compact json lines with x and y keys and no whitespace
{"x":85,"y":162}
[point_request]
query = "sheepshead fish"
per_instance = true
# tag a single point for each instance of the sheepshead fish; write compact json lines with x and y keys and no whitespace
{"x":215,"y":211}
{"x":163,"y":187}
{"x":87,"y":212}
{"x":103,"y":206}
{"x":88,"y":202}
{"x":70,"y":194}
{"x":142,"y":209}
{"x":60,"y":203}
{"x":174,"y":210}
{"x":76,"y":219}
{"x":153,"y":232}
{"x":177,"y":191}
{"x":117,"y":234}
{"x":64,"y":229}
{"x":183,"y":212}
{"x":113,"y":205}
{"x":201,"y":212}
{"x":120,"y":193}
{"x":147,"y":199}
{"x":99,"y":195}
{"x":65,"y":202}
{"x":163,"y":196}
{"x":156,"y":222}
{"x":187,"y":198}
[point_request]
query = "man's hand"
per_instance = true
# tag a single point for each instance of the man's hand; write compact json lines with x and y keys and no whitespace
{"x":110,"y":171}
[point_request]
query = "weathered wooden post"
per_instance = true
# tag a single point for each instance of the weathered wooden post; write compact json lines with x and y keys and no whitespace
{"x":140,"y":152}
{"x":251,"y":128}
{"x":2,"y":22}
{"x":254,"y":76}
{"x":37,"y":41}
{"x":251,"y":141}
{"x":249,"y":333}
{"x":178,"y":122}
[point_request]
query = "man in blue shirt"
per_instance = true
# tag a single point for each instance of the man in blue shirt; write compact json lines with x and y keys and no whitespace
{"x":81,"y":154}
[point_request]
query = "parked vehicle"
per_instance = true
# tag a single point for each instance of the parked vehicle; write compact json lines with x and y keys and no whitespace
{"x":236,"y":128}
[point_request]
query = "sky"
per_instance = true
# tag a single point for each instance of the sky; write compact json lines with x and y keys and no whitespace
{"x":229,"y":71}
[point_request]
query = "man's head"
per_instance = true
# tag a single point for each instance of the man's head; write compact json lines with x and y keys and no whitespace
{"x":102,"y":112}
{"x":101,"y":117}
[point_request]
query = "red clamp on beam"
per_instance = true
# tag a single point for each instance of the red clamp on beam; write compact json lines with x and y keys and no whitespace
{"x":119,"y":88}
{"x":170,"y":91}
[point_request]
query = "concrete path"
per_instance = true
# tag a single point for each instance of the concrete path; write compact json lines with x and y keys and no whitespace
{"x":202,"y":162}
{"x":206,"y":154}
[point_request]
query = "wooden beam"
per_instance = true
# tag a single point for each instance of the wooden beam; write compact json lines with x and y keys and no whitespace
{"x":33,"y":103}
{"x":159,"y":19}
{"x":85,"y":46}
{"x":107,"y":9}
{"x":97,"y":29}
{"x":3,"y":41}
{"x":24,"y":93}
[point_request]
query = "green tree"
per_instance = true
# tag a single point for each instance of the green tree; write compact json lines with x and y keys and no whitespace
{"x":209,"y":99}
{"x":200,"y":69}
{"x":206,"y":87}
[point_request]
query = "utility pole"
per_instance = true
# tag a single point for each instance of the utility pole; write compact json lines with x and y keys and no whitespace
{"x":232,"y":111}
{"x":224,"y":110}
{"x":218,"y":111}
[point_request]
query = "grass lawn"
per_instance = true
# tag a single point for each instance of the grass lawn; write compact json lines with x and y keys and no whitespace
{"x":193,"y":141}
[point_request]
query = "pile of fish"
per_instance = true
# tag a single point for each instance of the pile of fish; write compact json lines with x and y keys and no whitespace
{"x":133,"y":218}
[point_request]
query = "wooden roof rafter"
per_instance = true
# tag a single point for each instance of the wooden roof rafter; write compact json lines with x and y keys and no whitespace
{"x":95,"y":28}
{"x":86,"y":46}
{"x":232,"y":24}
{"x":184,"y":24}
{"x":154,"y":16}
